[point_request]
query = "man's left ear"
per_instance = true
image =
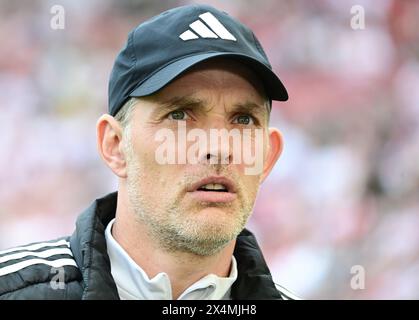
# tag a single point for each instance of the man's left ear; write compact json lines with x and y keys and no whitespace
{"x":275,"y":146}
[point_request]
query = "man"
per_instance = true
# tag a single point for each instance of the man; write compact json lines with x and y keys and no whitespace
{"x":175,"y":228}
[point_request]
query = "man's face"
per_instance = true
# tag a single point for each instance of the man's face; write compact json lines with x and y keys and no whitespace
{"x":175,"y":201}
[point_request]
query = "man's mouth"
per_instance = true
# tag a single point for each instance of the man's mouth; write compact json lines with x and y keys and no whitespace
{"x":213,"y":189}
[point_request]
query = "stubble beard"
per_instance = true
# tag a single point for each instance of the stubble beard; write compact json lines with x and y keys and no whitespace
{"x":171,"y":228}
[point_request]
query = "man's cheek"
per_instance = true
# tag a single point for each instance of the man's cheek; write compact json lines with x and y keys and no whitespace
{"x":250,"y":185}
{"x":146,"y":154}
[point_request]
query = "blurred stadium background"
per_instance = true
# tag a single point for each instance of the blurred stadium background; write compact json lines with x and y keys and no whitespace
{"x":345,"y":191}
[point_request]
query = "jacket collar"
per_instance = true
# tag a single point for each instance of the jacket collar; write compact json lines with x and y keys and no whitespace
{"x":88,"y":244}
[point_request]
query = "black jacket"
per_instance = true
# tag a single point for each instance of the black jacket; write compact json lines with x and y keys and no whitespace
{"x":78,"y":267}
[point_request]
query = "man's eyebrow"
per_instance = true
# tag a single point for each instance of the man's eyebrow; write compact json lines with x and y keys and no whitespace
{"x":251,"y":107}
{"x":179,"y":102}
{"x":182,"y":102}
{"x":190,"y":102}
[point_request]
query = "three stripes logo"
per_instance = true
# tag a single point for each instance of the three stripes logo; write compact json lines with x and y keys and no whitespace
{"x":212,"y":28}
{"x":54,"y":254}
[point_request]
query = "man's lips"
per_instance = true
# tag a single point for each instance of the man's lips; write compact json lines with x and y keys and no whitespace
{"x":228,"y":195}
{"x":214,"y":180}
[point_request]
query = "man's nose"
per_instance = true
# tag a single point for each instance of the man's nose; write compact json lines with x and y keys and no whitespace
{"x":219,"y":149}
{"x":216,"y":157}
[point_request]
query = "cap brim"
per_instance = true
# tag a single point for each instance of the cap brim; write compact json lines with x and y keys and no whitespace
{"x":273,"y":86}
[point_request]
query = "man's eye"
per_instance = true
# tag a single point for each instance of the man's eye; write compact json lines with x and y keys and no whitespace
{"x":244,"y":119}
{"x":178,"y":115}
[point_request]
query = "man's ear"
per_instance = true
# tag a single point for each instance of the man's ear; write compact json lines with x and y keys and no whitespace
{"x":275,"y":146}
{"x":109,"y":140}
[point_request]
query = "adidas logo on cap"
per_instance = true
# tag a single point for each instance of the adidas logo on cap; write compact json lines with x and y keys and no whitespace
{"x":213,"y":29}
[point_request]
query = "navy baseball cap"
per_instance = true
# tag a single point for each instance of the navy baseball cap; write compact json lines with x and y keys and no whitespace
{"x":169,"y":44}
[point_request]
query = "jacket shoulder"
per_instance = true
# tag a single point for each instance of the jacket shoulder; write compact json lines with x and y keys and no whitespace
{"x":286,"y":294}
{"x":42,"y":270}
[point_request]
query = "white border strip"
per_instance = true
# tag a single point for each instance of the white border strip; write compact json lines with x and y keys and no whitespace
{"x":19,"y":266}
{"x":37,"y":246}
{"x":42,"y":254}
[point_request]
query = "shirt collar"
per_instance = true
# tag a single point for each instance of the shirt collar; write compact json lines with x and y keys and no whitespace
{"x":133,"y":283}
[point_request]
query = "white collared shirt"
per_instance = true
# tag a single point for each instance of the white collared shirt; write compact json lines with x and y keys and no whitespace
{"x":134,"y":284}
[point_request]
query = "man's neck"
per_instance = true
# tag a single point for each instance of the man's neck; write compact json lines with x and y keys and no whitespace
{"x":183,"y":268}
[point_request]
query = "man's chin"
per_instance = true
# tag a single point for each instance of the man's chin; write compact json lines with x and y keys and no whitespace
{"x":216,"y":222}
{"x":212,"y":211}
{"x":208,"y":239}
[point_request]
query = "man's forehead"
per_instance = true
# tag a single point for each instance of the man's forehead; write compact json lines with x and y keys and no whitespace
{"x":220,"y":76}
{"x":226,"y":67}
{"x":195,"y":100}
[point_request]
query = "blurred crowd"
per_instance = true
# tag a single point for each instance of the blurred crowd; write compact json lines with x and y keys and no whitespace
{"x":345,"y":192}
